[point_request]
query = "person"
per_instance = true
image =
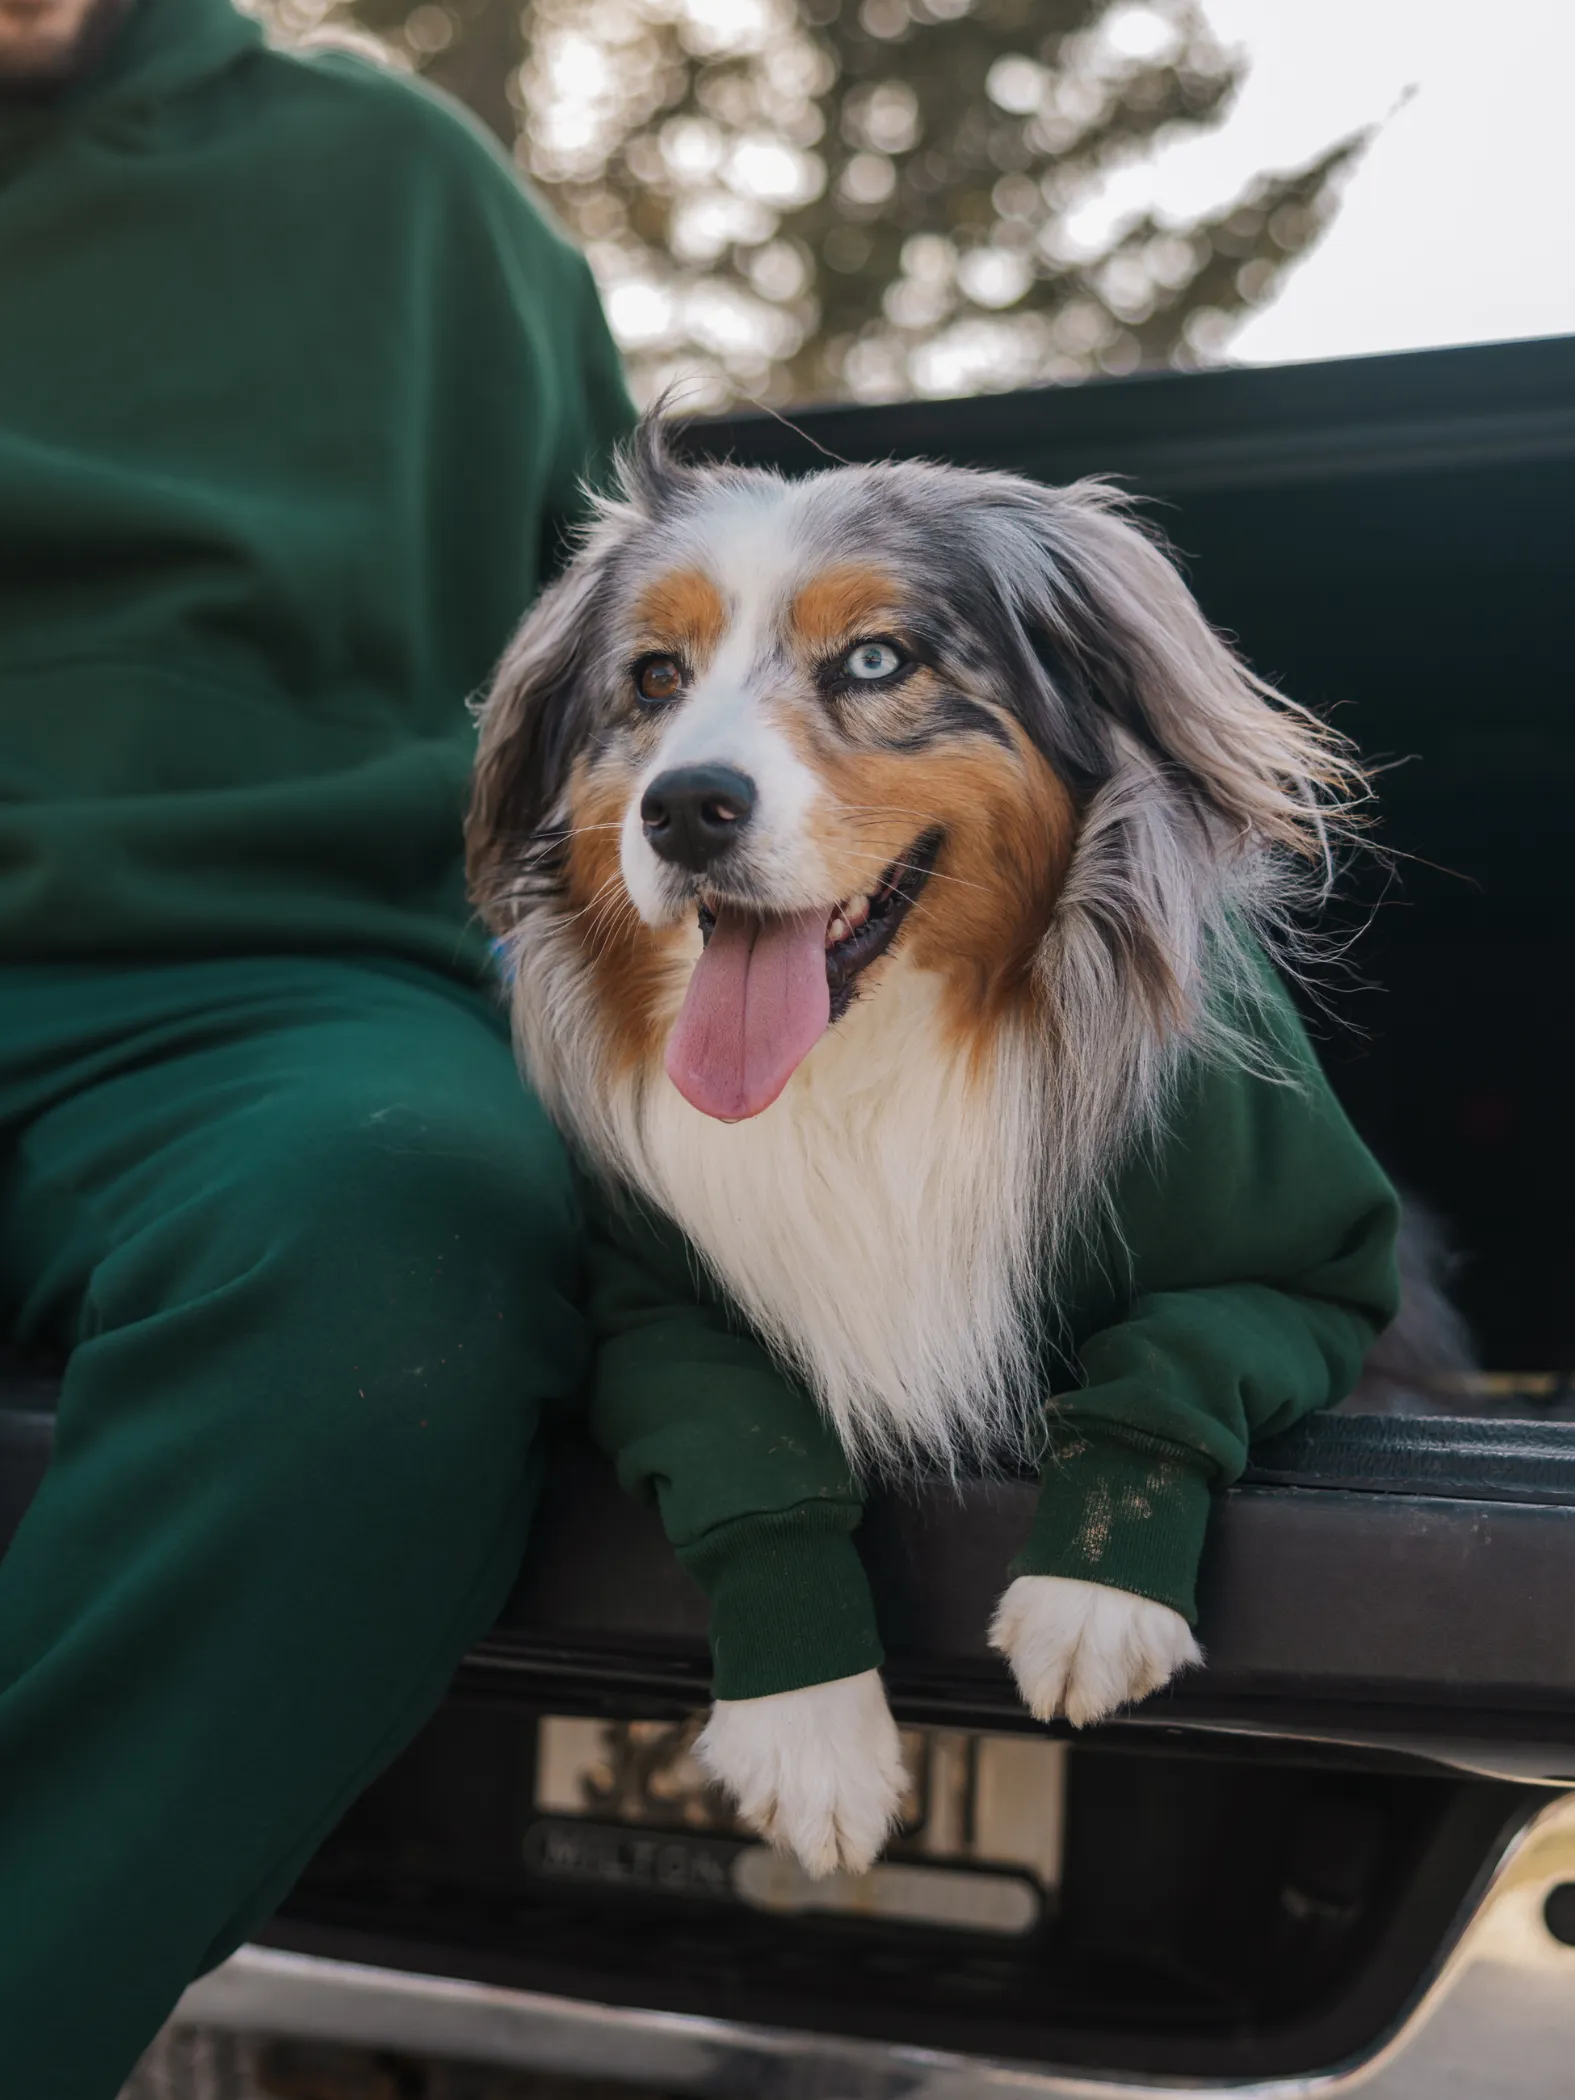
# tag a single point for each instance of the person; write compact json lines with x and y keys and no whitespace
{"x":297,"y":390}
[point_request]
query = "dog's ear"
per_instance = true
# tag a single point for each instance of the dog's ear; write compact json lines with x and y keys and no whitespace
{"x":1209,"y":803}
{"x":1123,"y":647}
{"x":537,"y":714}
{"x":542,"y":704}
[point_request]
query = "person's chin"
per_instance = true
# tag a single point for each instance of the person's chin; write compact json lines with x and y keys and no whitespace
{"x":38,"y":68}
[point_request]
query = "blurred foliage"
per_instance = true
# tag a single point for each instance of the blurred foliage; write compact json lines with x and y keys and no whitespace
{"x":810,"y":199}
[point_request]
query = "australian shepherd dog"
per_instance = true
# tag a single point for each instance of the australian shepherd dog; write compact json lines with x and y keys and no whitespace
{"x":923,"y":808}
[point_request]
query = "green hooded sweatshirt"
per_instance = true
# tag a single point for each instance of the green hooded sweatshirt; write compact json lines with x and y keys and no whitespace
{"x":296,"y":387}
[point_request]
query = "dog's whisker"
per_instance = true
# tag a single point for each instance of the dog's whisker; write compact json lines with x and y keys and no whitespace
{"x":603,"y":932}
{"x":907,"y":867}
{"x":885,"y":809}
{"x":609,"y":901}
{"x":591,"y":902}
{"x":608,"y":892}
{"x":603,"y":915}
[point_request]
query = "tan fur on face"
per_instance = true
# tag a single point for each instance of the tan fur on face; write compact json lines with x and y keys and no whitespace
{"x":632,"y":967}
{"x":1009,"y":820}
{"x":682,"y":611}
{"x":1010,"y":826}
{"x":839,"y":606}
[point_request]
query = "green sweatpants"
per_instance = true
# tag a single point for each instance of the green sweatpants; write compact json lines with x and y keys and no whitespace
{"x":314,"y":1252}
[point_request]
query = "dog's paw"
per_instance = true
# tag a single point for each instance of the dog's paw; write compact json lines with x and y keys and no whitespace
{"x":1082,"y":1649}
{"x":817,"y":1771}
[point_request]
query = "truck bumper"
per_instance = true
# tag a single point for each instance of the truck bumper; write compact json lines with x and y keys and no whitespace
{"x":1497,"y":2017}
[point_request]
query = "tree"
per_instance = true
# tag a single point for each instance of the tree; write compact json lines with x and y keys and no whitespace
{"x":810,"y":199}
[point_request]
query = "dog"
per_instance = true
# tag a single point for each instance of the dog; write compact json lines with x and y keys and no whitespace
{"x":870,"y":853}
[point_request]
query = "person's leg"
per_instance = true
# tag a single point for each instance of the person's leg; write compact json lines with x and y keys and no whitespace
{"x":317,"y":1249}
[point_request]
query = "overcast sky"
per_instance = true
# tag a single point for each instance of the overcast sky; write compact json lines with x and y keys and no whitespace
{"x":1457,"y":226}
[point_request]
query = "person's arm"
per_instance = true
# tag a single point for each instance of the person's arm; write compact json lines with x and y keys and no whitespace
{"x":1260,"y":1243}
{"x":751,"y":1483}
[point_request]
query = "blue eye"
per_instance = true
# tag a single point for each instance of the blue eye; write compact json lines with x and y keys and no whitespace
{"x":869,"y":660}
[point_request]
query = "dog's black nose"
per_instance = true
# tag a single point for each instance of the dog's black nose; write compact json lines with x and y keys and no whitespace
{"x":695,"y":813}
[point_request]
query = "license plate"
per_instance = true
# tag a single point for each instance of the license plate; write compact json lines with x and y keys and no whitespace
{"x":625,"y":1806}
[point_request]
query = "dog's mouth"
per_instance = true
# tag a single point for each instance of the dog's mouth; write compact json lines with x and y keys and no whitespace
{"x":860,"y":928}
{"x":768,"y":985}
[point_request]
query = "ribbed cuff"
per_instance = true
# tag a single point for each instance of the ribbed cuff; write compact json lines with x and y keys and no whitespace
{"x":1128,"y":1512}
{"x":790,"y":1603}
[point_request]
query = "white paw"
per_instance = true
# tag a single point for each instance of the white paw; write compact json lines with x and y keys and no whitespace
{"x":817,"y":1771}
{"x":1082,"y":1649}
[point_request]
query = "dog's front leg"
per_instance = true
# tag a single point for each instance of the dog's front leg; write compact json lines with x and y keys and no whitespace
{"x":1082,"y":1648}
{"x":818,"y":1771}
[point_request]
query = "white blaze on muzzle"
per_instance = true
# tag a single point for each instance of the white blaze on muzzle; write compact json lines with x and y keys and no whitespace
{"x":758,"y":1000}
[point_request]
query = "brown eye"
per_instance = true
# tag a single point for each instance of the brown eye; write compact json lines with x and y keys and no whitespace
{"x":658,"y":678}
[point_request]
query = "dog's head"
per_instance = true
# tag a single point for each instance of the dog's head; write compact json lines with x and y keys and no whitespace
{"x":768,"y":742}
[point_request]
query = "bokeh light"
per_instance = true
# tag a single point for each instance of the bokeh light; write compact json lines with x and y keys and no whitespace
{"x":803,"y":199}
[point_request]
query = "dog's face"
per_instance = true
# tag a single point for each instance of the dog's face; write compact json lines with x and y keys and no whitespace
{"x":799,"y":761}
{"x":805,"y":754}
{"x":769,"y":743}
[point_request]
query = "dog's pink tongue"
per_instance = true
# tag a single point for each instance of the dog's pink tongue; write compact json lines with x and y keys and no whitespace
{"x":757,"y":1004}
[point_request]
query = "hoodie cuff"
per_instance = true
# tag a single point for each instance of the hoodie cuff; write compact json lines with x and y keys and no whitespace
{"x":790,"y":1602}
{"x":1128,"y":1512}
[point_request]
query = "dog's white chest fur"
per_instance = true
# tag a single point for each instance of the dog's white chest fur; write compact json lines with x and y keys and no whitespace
{"x":881,"y":1224}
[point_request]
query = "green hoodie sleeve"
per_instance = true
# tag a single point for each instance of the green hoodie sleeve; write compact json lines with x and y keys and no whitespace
{"x":1260,"y":1264}
{"x":750,"y":1481}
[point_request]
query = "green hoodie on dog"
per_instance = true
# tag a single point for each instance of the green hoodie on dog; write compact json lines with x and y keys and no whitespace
{"x":1248,"y":1263}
